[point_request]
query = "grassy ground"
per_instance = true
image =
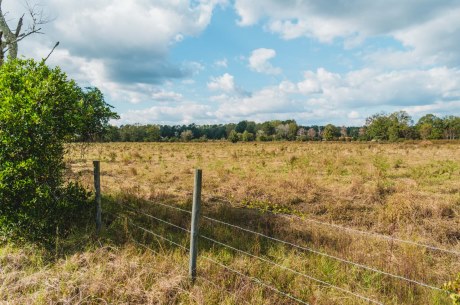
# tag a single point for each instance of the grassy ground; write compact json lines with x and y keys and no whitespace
{"x":405,"y":190}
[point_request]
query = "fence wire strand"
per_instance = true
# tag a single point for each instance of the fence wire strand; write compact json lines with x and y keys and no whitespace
{"x":161,"y":220}
{"x":336,"y":226}
{"x":292,"y":270}
{"x":160,"y":236}
{"x":216,"y":262}
{"x":169,"y":206}
{"x":287,"y":243}
{"x":256,"y":280}
{"x":324,"y":254}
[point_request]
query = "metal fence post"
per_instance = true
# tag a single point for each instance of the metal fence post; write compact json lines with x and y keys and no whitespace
{"x":194,"y":227}
{"x":97,"y":187}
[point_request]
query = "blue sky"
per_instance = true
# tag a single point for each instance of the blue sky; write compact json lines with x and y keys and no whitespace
{"x":219,"y":61}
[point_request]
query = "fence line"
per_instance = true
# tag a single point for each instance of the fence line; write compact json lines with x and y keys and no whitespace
{"x":163,"y":221}
{"x":324,"y":254}
{"x":197,"y":198}
{"x":160,"y":236}
{"x":399,"y":277}
{"x":254,"y":256}
{"x":169,"y":206}
{"x":336,"y":226}
{"x":293,"y":271}
{"x":214,"y":261}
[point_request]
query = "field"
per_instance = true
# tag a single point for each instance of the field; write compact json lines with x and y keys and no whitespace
{"x":407,"y":191}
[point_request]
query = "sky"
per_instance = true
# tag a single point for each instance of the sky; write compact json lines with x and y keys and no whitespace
{"x":221,"y":61}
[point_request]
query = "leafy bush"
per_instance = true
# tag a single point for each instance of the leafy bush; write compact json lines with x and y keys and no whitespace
{"x":40,"y":109}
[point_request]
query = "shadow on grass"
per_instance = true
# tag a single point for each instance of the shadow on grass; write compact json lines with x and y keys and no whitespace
{"x":127,"y":218}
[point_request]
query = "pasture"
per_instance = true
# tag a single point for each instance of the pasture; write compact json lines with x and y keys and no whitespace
{"x":368,"y":204}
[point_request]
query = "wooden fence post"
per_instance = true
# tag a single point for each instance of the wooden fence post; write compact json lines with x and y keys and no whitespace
{"x":97,"y":187}
{"x":194,"y":226}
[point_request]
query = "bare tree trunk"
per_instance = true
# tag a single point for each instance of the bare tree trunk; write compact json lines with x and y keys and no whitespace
{"x":11,"y":39}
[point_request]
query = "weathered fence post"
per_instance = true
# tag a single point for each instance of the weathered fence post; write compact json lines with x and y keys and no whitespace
{"x":194,"y":227}
{"x":97,"y":187}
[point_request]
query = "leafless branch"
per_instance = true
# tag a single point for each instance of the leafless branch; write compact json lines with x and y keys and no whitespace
{"x":18,"y":28}
{"x":10,"y":45}
{"x":55,"y":46}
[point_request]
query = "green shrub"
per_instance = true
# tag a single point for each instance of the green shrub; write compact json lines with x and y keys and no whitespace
{"x":40,"y":109}
{"x":453,"y":288}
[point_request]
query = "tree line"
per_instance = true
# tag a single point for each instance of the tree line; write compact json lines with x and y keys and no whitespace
{"x":378,"y":127}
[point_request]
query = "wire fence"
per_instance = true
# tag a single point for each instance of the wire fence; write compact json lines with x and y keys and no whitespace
{"x":348,"y":229}
{"x":369,"y":300}
{"x":272,"y":262}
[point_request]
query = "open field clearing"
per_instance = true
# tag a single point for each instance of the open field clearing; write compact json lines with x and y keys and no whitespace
{"x":339,"y":195}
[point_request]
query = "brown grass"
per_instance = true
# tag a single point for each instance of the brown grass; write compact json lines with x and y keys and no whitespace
{"x":405,"y":190}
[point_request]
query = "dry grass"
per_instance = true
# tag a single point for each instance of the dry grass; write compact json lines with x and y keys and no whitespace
{"x":406,"y":190}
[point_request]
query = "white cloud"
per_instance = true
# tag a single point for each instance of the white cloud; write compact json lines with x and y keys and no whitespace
{"x":259,"y":61}
{"x":130,"y":39}
{"x":224,"y":83}
{"x":347,"y":98}
{"x":167,"y":96}
{"x":223,"y":63}
{"x":342,"y":99}
{"x":181,"y":114}
{"x":430,"y":28}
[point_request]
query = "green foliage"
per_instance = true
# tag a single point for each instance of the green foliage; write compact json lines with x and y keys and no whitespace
{"x":451,"y":127}
{"x":379,"y":127}
{"x":40,"y":109}
{"x":389,"y":127}
{"x":330,"y":132}
{"x":430,"y":127}
{"x":247,"y":136}
{"x":453,"y":288}
{"x":94,"y":116}
{"x":233,"y":136}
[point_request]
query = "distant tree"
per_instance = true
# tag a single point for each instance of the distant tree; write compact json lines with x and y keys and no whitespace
{"x":251,"y":127}
{"x":330,"y":132}
{"x":268,"y":128}
{"x":95,"y":114}
{"x":451,"y":127}
{"x":247,"y":136}
{"x":233,"y":136}
{"x":311,"y":133}
{"x":377,"y":126}
{"x":241,"y":126}
{"x":112,"y":134}
{"x":362,"y":134}
{"x":301,"y":132}
{"x":282,"y":131}
{"x":343,"y":132}
{"x":430,"y":127}
{"x":186,"y":135}
{"x":229,"y":128}
{"x":400,"y":126}
{"x":292,"y":131}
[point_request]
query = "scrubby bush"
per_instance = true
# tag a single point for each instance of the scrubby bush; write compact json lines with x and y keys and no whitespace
{"x":453,"y":288}
{"x":40,"y":109}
